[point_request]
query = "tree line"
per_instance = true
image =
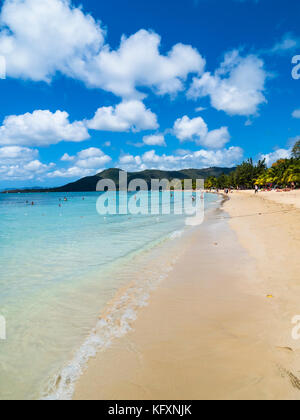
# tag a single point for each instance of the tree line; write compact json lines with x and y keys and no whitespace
{"x":285,"y":173}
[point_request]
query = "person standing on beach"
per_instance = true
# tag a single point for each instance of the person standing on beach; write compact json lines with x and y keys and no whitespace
{"x":256,"y":189}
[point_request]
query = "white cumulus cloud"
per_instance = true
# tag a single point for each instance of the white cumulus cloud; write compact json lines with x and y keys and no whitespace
{"x":17,"y":153}
{"x":128,"y":115}
{"x":138,"y":63}
{"x":196,"y":129}
{"x":40,"y":38}
{"x":92,"y":158}
{"x":21,"y":163}
{"x":84,"y":163}
{"x":154,"y":140}
{"x":41,"y":128}
{"x":237,"y":87}
{"x":199,"y":159}
{"x":275,"y":156}
{"x":73,"y":172}
{"x":67,"y":158}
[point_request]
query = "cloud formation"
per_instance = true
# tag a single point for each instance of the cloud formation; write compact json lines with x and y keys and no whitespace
{"x":86,"y":162}
{"x":127,"y":116}
{"x":41,"y":38}
{"x":199,"y":159}
{"x":154,"y":140}
{"x":288,"y":43}
{"x":11,"y":154}
{"x":21,"y":163}
{"x":274,"y":156}
{"x":196,"y":129}
{"x":41,"y":128}
{"x":236,"y":88}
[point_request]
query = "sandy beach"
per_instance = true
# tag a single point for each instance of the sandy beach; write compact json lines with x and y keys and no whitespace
{"x":220,"y":325}
{"x":286,"y":198}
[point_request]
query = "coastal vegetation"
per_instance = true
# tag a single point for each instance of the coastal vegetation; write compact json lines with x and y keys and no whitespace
{"x":285,"y":173}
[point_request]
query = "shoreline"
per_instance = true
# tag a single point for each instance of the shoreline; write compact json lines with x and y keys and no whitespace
{"x":209,"y":330}
{"x":120,"y":311}
{"x":118,"y":315}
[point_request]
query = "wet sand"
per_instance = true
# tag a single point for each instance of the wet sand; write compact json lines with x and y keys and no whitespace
{"x":210,"y":331}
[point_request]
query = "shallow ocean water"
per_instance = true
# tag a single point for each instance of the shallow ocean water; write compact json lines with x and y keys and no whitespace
{"x":60,"y":266}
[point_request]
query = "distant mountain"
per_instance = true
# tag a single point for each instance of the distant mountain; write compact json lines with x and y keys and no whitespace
{"x":88,"y":184}
{"x":23,"y":189}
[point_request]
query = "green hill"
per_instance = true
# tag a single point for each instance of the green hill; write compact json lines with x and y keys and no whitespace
{"x":88,"y":184}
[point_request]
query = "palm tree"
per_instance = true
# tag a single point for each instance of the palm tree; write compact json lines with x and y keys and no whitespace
{"x":296,"y":150}
{"x":292,"y":174}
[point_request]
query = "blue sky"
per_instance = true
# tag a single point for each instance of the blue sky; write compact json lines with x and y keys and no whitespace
{"x":163,"y":84}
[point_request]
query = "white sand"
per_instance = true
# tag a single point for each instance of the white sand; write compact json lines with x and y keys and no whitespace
{"x":210,"y":331}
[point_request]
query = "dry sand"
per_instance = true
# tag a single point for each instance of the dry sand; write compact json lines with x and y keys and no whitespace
{"x":210,"y":331}
{"x":286,"y":198}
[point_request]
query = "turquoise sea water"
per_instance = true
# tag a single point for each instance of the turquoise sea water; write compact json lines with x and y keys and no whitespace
{"x":60,"y":266}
